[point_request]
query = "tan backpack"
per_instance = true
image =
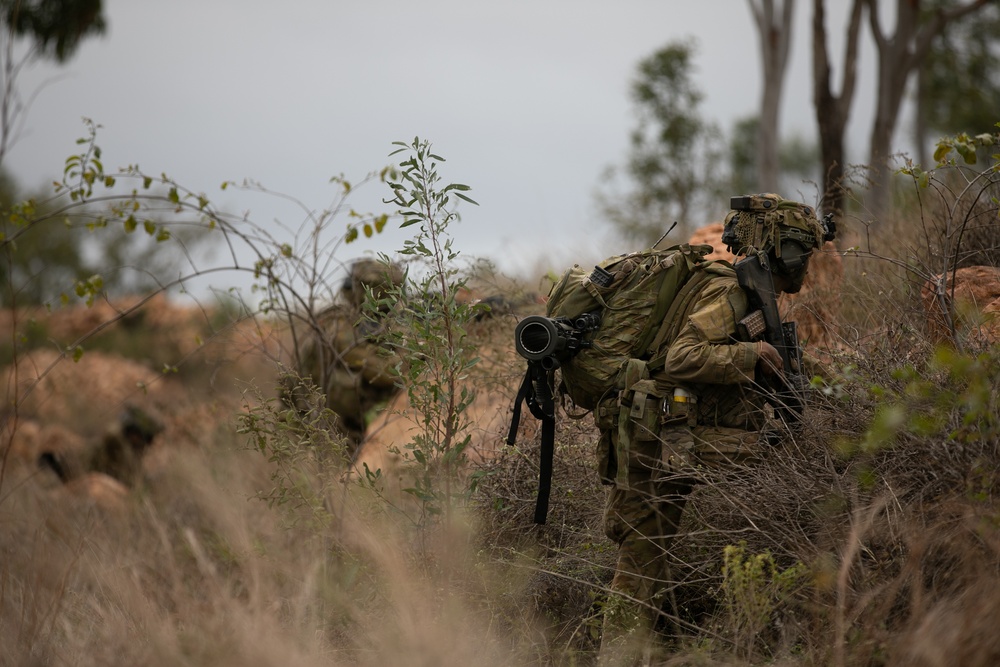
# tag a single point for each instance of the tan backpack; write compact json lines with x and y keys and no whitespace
{"x":636,"y":298}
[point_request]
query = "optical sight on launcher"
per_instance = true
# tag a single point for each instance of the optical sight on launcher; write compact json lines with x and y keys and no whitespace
{"x":551,"y":341}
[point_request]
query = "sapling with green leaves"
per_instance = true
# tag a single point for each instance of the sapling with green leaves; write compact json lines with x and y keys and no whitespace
{"x":428,"y":331}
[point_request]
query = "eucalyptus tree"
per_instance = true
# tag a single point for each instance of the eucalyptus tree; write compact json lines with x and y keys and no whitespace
{"x":774,"y":28}
{"x":675,"y":152}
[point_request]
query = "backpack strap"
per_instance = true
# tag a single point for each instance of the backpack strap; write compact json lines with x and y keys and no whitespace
{"x":682,"y":302}
{"x":667,"y":299}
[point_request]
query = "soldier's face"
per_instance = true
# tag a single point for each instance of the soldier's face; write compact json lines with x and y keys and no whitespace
{"x":791,"y":266}
{"x":794,"y":279}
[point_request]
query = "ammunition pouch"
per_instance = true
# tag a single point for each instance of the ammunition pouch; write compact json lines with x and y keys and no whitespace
{"x":606,"y":419}
{"x":640,"y":409}
{"x":677,"y":453}
{"x":642,"y":428}
{"x":652,"y":430}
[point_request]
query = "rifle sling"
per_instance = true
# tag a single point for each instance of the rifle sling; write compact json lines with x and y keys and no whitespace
{"x":522,"y":395}
{"x":547,"y":445}
{"x":545,"y":469}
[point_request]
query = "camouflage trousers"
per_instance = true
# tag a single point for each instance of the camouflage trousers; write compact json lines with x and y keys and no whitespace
{"x":643,"y":516}
{"x":641,"y":519}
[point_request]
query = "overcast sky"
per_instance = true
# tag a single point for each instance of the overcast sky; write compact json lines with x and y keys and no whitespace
{"x":526,"y":99}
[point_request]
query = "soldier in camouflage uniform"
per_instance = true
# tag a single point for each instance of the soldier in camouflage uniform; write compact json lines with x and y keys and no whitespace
{"x":341,"y":355}
{"x":118,"y":453}
{"x":709,"y":412}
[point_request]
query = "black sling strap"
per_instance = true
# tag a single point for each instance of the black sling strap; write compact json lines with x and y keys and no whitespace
{"x":544,"y":411}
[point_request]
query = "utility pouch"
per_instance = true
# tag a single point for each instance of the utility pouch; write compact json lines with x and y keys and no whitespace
{"x":676,"y":449}
{"x":646,"y":413}
{"x":639,"y":414}
{"x":605,"y":418}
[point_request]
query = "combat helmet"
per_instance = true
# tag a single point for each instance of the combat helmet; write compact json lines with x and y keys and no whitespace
{"x":377,"y":276}
{"x":780,"y":231}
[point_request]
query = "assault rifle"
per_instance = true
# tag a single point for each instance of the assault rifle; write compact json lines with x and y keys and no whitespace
{"x":784,"y":390}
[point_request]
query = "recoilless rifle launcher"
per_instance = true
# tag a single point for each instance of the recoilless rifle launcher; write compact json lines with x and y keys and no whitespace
{"x":546,"y":342}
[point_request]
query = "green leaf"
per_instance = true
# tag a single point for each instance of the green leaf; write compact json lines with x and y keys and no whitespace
{"x":941,"y":152}
{"x":967,"y":152}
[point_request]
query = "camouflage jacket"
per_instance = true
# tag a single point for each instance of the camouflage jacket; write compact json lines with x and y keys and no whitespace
{"x":708,"y":360}
{"x":349,"y":366}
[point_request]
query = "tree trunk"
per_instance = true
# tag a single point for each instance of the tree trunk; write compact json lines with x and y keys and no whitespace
{"x":832,"y":111}
{"x":775,"y":42}
{"x":920,"y":131}
{"x":898,"y":56}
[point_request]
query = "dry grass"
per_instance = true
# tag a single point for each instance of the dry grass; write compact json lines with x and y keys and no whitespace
{"x":898,"y":533}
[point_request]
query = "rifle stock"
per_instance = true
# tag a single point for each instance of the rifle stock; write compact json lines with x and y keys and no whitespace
{"x":757,"y":282}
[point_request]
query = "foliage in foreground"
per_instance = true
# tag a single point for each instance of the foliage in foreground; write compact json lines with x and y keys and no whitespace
{"x":870,"y":537}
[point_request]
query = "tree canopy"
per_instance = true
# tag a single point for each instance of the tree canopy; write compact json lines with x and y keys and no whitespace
{"x":56,"y":27}
{"x":674,"y":150}
{"x":960,"y":80}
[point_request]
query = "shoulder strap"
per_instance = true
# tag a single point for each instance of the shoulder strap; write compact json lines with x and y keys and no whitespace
{"x":525,"y":394}
{"x":666,"y":297}
{"x":672,"y":321}
{"x":545,"y":468}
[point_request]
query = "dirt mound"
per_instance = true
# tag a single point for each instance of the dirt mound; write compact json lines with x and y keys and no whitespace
{"x":711,"y":234}
{"x":971,"y":298}
{"x":59,"y":406}
{"x":494,"y":380}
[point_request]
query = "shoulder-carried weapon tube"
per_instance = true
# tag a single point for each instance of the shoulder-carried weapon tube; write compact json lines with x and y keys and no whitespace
{"x":546,"y":342}
{"x":550,"y":341}
{"x":782,"y":393}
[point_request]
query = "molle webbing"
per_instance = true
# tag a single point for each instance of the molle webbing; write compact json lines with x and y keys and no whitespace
{"x":676,"y":316}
